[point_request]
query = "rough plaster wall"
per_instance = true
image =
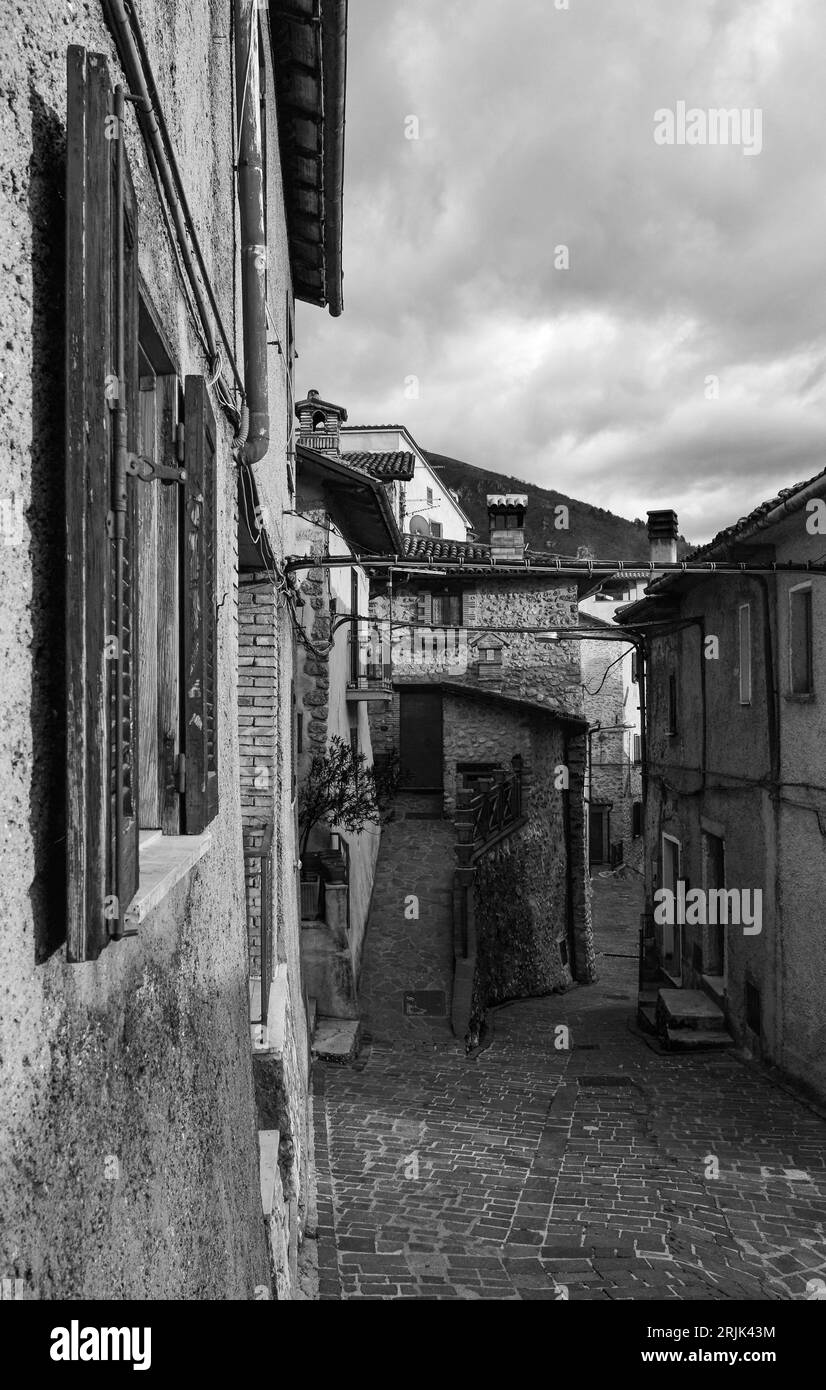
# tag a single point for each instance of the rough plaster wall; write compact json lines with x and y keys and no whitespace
{"x":138,"y":1065}
{"x":787,"y":961}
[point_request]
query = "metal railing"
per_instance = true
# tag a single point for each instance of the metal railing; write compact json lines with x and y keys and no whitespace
{"x":261,"y":883}
{"x":496,"y":807}
{"x":363,"y":674}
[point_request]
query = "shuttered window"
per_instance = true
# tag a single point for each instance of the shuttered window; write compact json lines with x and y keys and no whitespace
{"x":110,"y":658}
{"x":200,"y":616}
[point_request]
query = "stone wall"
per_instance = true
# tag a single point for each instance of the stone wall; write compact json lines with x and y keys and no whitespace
{"x":530,"y":890}
{"x":545,"y":672}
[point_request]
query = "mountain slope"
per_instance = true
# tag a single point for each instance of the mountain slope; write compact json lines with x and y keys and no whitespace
{"x":607,"y":536}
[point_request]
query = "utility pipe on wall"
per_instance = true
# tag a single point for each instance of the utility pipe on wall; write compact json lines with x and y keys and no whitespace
{"x":253,"y":234}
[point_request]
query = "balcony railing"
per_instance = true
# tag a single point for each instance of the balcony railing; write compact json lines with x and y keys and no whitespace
{"x":496,"y":807}
{"x":258,"y":875}
{"x":367,"y":678}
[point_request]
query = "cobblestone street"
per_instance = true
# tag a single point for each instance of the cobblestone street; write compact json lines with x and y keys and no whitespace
{"x":538,"y":1171}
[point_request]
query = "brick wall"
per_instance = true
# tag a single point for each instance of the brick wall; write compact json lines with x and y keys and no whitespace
{"x":257,"y":705}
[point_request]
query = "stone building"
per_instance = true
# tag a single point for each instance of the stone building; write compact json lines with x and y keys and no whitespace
{"x":612,"y":708}
{"x":147,"y":305}
{"x":486,"y":717}
{"x":736,"y":772}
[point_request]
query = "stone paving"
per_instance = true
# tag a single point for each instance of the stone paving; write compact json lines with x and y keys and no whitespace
{"x":539,"y":1170}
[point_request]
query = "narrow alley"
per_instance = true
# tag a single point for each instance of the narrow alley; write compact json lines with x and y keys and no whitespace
{"x":536,"y":1170}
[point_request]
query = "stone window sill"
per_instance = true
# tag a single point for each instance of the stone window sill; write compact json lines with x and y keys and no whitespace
{"x":804,"y":698}
{"x":164,"y":861}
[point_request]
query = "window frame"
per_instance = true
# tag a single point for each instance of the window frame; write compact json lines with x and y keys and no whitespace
{"x":804,"y":591}
{"x":745,"y":652}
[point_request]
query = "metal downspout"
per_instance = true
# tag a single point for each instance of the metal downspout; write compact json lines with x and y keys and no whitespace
{"x":253,"y":234}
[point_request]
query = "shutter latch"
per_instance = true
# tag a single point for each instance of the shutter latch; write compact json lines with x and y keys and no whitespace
{"x":147,"y":470}
{"x":180,"y":773}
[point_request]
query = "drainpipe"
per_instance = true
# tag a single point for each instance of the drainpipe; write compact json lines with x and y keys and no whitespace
{"x":253,"y":236}
{"x":334,"y":32}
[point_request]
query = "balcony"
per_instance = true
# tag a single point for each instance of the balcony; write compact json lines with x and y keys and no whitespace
{"x":367,"y":680}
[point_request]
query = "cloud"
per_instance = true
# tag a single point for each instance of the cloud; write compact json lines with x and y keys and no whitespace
{"x":536,"y":130}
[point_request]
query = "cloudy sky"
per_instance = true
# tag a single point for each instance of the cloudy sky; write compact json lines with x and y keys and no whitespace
{"x":687,"y":263}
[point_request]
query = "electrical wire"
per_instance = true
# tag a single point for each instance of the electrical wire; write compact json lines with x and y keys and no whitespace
{"x":616,"y":660}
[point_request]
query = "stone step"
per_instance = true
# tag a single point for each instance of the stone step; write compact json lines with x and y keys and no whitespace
{"x":336,"y":1039}
{"x":647,"y":1016}
{"x":697,"y":1039}
{"x":715,"y":988}
{"x":688,"y":1008}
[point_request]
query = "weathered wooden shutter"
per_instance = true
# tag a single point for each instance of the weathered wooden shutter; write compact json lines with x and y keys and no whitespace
{"x":199,"y":613}
{"x":102,"y":845}
{"x":424,"y":609}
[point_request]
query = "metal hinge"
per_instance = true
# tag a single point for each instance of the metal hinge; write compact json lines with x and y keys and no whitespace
{"x":180,"y":773}
{"x":147,"y":470}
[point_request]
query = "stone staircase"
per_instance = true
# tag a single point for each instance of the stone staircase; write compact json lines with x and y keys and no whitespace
{"x":687,"y":1020}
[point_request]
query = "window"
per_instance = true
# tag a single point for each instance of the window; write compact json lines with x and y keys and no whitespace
{"x":491,"y":656}
{"x":299,"y":732}
{"x":745,"y":654}
{"x":636,"y":819}
{"x":138,"y":532}
{"x":637,"y":748}
{"x":436,"y":529}
{"x":320,"y":421}
{"x":801,"y":668}
{"x":672,"y":704}
{"x":430,"y":497}
{"x":447,"y":610}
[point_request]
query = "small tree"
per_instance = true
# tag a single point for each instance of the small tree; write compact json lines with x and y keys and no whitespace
{"x":340,"y":790}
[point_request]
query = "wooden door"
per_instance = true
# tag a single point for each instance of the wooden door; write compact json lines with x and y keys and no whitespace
{"x":420,"y":737}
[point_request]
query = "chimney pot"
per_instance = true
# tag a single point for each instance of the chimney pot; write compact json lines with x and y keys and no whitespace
{"x":662,"y":536}
{"x":506,"y":516}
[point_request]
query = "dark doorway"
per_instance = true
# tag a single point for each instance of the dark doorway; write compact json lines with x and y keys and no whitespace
{"x":420,"y":737}
{"x":599,"y":834}
{"x":715,"y":878}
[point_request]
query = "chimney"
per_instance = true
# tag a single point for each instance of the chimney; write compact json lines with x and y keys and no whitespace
{"x":319,"y":423}
{"x":662,"y":537}
{"x":506,"y":517}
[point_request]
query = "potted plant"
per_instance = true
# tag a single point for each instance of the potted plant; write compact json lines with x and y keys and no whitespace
{"x":342,"y":791}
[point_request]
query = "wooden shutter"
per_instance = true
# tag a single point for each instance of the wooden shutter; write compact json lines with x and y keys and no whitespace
{"x":102,"y":843}
{"x":199,"y":614}
{"x":424,"y":609}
